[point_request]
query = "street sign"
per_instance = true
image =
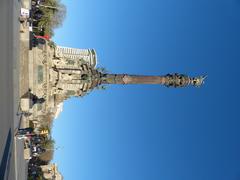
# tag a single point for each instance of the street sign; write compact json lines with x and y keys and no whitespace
{"x":24,"y":12}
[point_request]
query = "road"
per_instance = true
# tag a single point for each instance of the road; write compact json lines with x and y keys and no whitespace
{"x":10,"y":167}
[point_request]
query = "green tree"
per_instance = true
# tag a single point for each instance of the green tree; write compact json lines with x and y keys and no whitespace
{"x":48,"y":144}
{"x":54,"y":14}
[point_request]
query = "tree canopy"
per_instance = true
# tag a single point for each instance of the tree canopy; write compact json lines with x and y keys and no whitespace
{"x":54,"y":13}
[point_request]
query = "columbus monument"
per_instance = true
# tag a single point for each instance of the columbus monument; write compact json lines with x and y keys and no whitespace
{"x":58,"y":73}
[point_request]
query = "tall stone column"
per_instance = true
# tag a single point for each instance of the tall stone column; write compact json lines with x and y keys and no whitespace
{"x":169,"y":80}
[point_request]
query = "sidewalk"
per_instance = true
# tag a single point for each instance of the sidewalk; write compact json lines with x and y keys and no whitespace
{"x":21,"y":165}
{"x":24,"y":56}
{"x":24,"y":59}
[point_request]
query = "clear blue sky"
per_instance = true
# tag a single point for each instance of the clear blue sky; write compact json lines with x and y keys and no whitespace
{"x":141,"y":132}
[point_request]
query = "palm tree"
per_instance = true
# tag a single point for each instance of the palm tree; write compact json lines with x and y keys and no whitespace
{"x":48,"y":143}
{"x":47,"y":156}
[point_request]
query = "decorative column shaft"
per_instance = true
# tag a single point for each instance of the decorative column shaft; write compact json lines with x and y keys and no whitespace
{"x":169,"y":80}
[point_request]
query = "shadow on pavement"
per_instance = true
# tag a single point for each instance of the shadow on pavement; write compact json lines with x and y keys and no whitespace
{"x":5,"y":158}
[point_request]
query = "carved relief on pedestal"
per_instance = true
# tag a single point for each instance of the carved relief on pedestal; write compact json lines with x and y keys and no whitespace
{"x":57,"y":62}
{"x":44,"y":85}
{"x":57,"y":91}
{"x":42,"y":57}
{"x":44,"y":96}
{"x":65,"y":77}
